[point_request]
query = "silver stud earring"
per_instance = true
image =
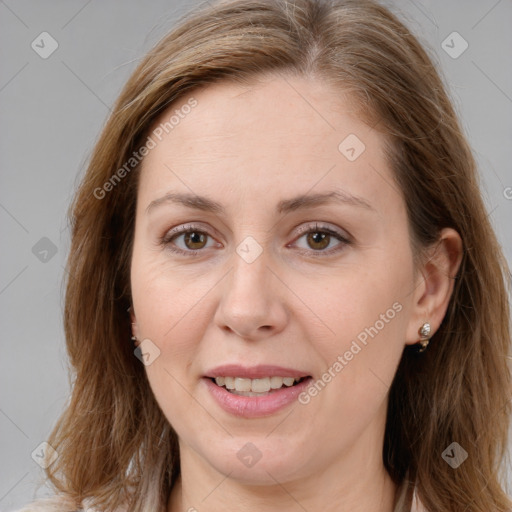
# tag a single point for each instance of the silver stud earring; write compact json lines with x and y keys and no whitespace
{"x":424,"y":332}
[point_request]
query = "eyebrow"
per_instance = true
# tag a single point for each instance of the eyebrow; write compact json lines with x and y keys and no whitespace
{"x":303,"y":201}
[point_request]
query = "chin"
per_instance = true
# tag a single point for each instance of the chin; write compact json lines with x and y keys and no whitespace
{"x":258,"y":460}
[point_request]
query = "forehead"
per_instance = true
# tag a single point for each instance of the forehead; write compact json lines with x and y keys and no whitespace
{"x":264,"y":139}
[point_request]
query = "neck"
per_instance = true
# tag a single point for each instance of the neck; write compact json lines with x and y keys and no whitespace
{"x":358,"y":486}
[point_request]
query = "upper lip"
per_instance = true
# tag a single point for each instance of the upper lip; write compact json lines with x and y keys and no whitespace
{"x":254,"y":372}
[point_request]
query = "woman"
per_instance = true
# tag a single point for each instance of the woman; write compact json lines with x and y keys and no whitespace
{"x":285,"y":292}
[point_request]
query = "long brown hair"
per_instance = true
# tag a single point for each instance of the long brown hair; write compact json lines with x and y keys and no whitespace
{"x":114,"y":443}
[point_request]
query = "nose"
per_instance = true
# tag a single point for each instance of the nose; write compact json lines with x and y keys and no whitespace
{"x":252,"y":303}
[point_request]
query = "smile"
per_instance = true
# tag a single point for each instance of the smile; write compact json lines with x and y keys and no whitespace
{"x":251,"y":392}
{"x":255,"y":387}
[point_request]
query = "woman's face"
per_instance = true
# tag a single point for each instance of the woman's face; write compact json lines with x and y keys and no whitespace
{"x":297,"y":263}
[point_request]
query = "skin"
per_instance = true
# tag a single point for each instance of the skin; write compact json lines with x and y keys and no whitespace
{"x":249,"y":148}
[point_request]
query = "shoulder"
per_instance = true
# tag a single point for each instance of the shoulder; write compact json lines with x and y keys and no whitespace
{"x":417,"y":506}
{"x":64,"y":503}
{"x":59,"y":504}
{"x":407,"y":499}
{"x":53,"y":504}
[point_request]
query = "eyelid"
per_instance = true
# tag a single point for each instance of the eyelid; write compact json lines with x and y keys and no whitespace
{"x":321,"y":226}
{"x":183,"y":228}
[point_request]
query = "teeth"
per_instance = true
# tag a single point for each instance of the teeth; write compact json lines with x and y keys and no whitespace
{"x":276,"y":382}
{"x":242,"y":384}
{"x":263,"y":385}
{"x":260,"y":385}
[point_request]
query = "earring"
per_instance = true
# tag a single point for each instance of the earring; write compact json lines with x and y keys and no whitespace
{"x":424,"y":332}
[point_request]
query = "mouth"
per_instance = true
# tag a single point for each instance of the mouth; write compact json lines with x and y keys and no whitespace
{"x":264,"y":386}
{"x":257,"y":391}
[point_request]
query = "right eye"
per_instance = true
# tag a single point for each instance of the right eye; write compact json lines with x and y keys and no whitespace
{"x":187,"y":240}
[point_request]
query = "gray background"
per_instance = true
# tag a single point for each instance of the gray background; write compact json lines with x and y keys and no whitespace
{"x":51,"y":111}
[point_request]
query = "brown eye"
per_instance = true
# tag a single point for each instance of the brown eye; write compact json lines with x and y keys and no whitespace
{"x":321,"y":240}
{"x":318,"y":240}
{"x":188,"y":240}
{"x":195,"y":240}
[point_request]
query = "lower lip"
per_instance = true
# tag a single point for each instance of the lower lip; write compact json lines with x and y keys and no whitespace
{"x":255,"y":406}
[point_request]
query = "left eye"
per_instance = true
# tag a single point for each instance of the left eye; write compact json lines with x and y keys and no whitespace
{"x":319,"y":239}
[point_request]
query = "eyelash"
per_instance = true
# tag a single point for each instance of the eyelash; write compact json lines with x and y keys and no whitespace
{"x":168,"y":238}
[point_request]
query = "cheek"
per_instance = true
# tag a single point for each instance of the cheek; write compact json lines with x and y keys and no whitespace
{"x":165,"y":299}
{"x":368,"y":312}
{"x":361,"y":305}
{"x":171,"y":314}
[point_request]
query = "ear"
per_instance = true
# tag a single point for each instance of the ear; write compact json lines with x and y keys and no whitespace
{"x":434,"y":284}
